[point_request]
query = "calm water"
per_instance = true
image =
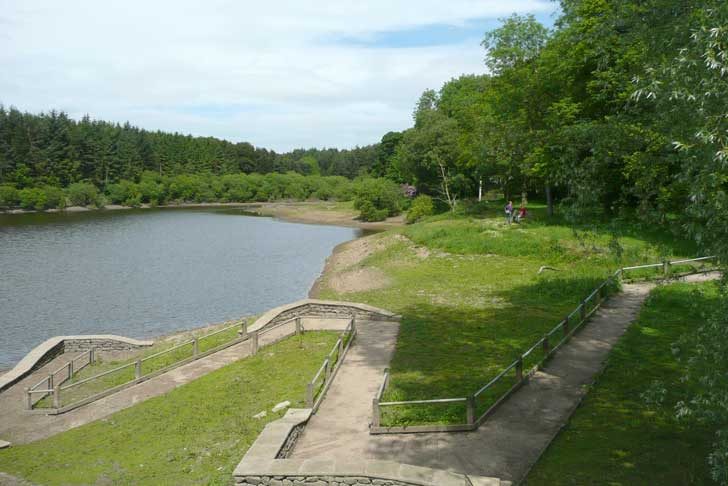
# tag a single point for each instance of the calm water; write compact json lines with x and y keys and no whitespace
{"x":145,"y":273}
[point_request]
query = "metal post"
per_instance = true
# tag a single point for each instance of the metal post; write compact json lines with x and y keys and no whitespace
{"x":244,"y":329}
{"x":666,"y":267}
{"x":70,"y":369}
{"x":566,"y":326}
{"x":327,"y":370}
{"x":138,"y":369}
{"x":519,"y":370}
{"x":57,"y":396}
{"x":91,"y":356}
{"x":546,"y":346}
{"x":299,"y":326}
{"x":254,"y":343}
{"x":470,"y":410}
{"x":341,"y":348}
{"x":376,"y":411}
{"x":50,"y":381}
{"x":29,"y":401}
{"x":582,"y":310}
{"x":195,"y":347}
{"x":309,"y":395}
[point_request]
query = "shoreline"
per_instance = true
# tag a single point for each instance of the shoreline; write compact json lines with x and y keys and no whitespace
{"x":305,"y":212}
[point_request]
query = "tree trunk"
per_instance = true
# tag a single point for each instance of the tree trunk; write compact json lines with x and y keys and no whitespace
{"x":480,"y":190}
{"x":549,"y":201}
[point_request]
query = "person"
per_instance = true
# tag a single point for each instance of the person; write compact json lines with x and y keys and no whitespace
{"x":521,"y":213}
{"x":509,"y":212}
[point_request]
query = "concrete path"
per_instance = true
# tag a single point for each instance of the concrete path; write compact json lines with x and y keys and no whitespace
{"x":19,"y":427}
{"x":346,"y":411}
{"x":509,"y":443}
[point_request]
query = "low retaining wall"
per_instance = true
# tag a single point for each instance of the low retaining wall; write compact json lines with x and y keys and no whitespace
{"x":330,"y":309}
{"x":262,"y":465}
{"x":57,"y":345}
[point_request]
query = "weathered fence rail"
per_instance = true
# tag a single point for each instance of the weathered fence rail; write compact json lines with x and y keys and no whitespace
{"x":320,"y":383}
{"x":64,"y":394}
{"x":513,"y":376}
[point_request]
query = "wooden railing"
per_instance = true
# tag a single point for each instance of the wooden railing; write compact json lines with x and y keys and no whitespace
{"x":513,"y":376}
{"x":65,"y":396}
{"x":319,"y":384}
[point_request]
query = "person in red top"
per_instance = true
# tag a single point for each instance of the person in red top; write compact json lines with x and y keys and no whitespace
{"x":521,"y":213}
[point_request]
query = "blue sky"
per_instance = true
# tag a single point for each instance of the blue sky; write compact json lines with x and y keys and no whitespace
{"x":280,"y":74}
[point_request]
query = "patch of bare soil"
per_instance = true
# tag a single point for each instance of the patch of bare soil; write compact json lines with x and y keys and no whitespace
{"x":340,"y":273}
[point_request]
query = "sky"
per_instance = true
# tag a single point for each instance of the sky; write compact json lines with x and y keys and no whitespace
{"x":280,"y":74}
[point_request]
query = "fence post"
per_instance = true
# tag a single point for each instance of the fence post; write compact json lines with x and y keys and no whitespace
{"x":566,"y":326}
{"x":50,"y":381}
{"x":519,"y":369}
{"x":254,"y":343}
{"x":341,"y":348}
{"x":70,"y":369}
{"x":309,"y":395}
{"x":195,"y":347}
{"x":244,"y":329}
{"x":57,"y":396}
{"x":666,"y":267}
{"x":546,"y":346}
{"x":91,"y":356}
{"x":376,"y":417}
{"x":470,"y":410}
{"x":582,"y":311}
{"x":299,"y":326}
{"x":29,"y":399}
{"x":138,"y":369}
{"x":327,"y":370}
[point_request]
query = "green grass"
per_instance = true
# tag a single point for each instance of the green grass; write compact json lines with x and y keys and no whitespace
{"x":195,"y":434}
{"x":614,"y":437}
{"x":472,"y":299}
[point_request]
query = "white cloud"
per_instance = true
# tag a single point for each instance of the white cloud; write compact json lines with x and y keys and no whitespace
{"x":264,"y":66}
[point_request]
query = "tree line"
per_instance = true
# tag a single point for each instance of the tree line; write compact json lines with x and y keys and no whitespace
{"x":51,"y":149}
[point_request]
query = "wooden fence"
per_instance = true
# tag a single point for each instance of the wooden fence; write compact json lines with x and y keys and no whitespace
{"x":318,"y":386}
{"x":516,"y":374}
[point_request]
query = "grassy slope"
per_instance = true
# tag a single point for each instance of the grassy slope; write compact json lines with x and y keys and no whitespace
{"x":195,"y":434}
{"x":472,"y":298}
{"x":614,"y":437}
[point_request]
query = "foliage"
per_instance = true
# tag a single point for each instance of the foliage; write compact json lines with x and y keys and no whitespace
{"x":376,"y":199}
{"x":9,"y":196}
{"x":421,"y":206}
{"x":82,"y":194}
{"x":625,"y":431}
{"x":178,"y":438}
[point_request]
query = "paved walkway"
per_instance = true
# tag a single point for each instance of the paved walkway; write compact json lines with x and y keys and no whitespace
{"x":19,"y":426}
{"x":346,"y":411}
{"x":513,"y":438}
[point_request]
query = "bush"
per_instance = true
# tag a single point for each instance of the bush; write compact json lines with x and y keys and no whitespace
{"x":9,"y":197}
{"x":42,"y":198}
{"x":82,"y":194}
{"x":124,"y":192}
{"x":421,"y":206}
{"x":377,"y":198}
{"x":369,"y":213}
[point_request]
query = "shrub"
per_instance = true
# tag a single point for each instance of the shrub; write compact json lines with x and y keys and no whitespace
{"x":9,"y":197}
{"x":370,"y":213}
{"x":42,"y":198}
{"x":377,"y":198}
{"x":82,"y":194}
{"x":421,"y":206}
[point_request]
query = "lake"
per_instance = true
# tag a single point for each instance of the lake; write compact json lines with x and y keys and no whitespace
{"x":148,"y":272}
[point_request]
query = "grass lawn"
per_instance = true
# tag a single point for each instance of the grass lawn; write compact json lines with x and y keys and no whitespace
{"x":195,"y":434}
{"x":472,"y":299}
{"x":615,"y":437}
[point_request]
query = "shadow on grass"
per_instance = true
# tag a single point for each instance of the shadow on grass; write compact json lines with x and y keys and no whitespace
{"x":451,"y":352}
